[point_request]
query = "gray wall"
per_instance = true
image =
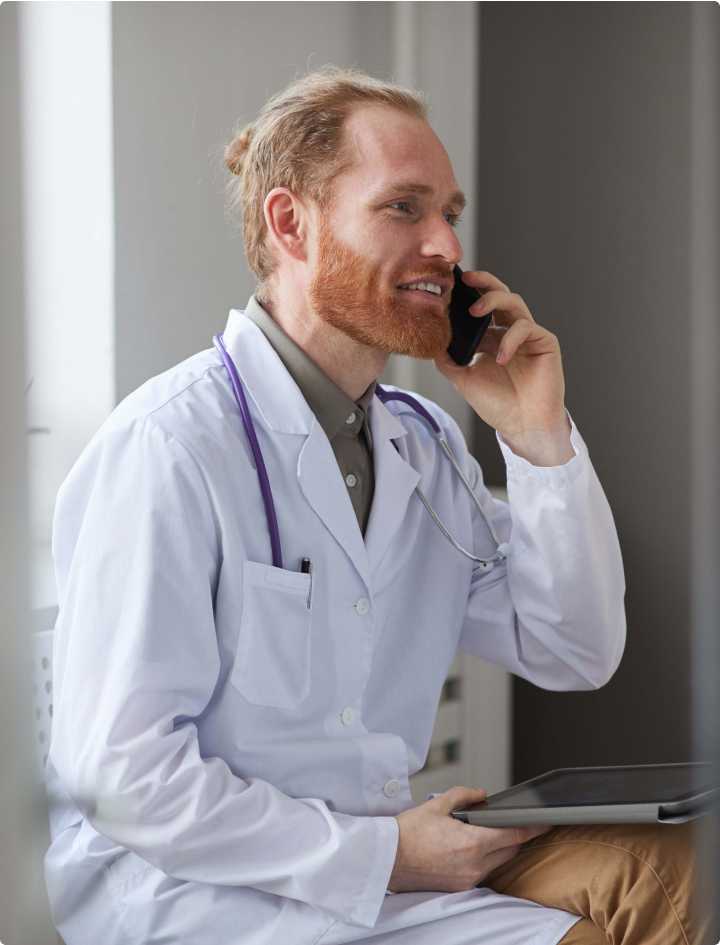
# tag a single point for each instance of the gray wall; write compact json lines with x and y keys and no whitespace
{"x":704,"y":312}
{"x":183,"y":74}
{"x":584,"y":210}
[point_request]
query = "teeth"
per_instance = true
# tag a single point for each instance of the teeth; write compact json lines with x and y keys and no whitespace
{"x":427,"y":286}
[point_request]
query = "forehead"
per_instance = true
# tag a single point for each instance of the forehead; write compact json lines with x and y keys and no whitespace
{"x":389,"y":146}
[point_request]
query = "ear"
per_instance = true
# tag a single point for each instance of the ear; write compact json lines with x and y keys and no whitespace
{"x":287,"y":222}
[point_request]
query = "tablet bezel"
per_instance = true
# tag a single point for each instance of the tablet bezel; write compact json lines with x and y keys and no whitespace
{"x":684,"y":807}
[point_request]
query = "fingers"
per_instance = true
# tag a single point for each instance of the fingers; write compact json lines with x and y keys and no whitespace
{"x":514,"y":337}
{"x":456,"y":798}
{"x":490,"y":341}
{"x":503,"y":341}
{"x":507,"y":306}
{"x":479,"y":279}
{"x":491,"y":861}
{"x":499,"y":838}
{"x":495,"y":859}
{"x":459,"y":797}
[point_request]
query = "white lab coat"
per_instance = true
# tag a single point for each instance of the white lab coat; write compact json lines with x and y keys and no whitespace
{"x":230,"y":739}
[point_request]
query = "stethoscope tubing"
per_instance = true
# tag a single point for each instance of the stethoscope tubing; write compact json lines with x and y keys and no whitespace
{"x":420,"y":413}
{"x":256,"y":451}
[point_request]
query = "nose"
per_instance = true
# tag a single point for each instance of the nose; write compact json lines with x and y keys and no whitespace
{"x":442,"y":240}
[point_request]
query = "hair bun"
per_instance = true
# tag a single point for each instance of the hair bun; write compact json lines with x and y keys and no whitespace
{"x":236,"y":150}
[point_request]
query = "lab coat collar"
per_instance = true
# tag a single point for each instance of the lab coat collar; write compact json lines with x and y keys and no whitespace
{"x":280,"y":400}
{"x":285,"y":410}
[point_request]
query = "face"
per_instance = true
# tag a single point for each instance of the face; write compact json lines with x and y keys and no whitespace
{"x":378,"y":237}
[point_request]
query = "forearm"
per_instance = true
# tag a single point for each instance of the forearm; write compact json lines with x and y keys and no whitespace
{"x":553,"y":613}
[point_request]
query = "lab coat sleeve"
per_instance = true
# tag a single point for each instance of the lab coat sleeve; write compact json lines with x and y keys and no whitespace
{"x":137,"y":552}
{"x":553,"y":612}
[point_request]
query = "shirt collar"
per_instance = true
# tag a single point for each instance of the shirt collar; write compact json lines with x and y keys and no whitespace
{"x":336,"y":412}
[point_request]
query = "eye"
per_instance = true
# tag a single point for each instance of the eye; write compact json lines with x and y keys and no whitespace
{"x":399,"y":203}
{"x":453,"y":218}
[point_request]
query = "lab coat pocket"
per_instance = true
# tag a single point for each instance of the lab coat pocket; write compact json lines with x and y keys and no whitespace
{"x":272,"y":660}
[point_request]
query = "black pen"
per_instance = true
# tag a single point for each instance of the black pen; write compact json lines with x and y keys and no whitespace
{"x":306,"y":568}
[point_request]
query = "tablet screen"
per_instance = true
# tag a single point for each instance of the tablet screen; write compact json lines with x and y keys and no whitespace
{"x":620,"y":785}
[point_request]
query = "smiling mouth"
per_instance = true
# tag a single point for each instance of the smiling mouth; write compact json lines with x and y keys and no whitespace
{"x":423,"y":293}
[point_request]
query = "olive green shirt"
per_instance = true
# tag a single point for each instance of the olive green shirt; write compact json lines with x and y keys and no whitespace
{"x":346,"y":422}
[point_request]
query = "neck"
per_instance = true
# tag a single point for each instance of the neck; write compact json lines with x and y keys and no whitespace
{"x":349,"y":364}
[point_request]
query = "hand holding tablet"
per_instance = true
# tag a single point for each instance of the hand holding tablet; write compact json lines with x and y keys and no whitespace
{"x":437,"y":853}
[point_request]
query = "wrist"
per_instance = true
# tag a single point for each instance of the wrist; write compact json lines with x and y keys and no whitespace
{"x":550,"y":447}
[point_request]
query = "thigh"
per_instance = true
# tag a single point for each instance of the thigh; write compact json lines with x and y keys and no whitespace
{"x":584,"y":932}
{"x":620,"y":876}
{"x":564,"y":862}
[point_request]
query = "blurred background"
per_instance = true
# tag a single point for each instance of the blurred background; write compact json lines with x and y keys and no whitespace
{"x":585,"y":136}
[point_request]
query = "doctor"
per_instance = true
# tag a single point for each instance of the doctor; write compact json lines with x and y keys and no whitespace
{"x":233,"y":735}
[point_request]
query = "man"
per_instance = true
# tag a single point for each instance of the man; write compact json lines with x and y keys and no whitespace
{"x":233,"y":737}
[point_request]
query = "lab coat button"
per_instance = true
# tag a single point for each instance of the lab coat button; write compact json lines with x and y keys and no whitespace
{"x":347,"y":715}
{"x":391,"y":788}
{"x":362,"y":605}
{"x":351,"y":479}
{"x":350,"y":419}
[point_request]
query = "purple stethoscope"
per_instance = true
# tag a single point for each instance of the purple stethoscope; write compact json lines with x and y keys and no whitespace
{"x":384,"y":395}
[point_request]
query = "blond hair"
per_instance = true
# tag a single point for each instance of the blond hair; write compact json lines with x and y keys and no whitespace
{"x":297,"y":142}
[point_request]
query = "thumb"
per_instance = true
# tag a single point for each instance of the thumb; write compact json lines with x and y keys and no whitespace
{"x":458,"y":797}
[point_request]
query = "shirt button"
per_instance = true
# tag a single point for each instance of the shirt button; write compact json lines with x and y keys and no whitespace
{"x":347,"y":715}
{"x":350,"y":419}
{"x":391,"y":788}
{"x":362,"y":605}
{"x":351,"y":479}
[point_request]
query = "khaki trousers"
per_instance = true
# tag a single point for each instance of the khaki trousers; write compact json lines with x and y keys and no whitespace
{"x":634,"y":884}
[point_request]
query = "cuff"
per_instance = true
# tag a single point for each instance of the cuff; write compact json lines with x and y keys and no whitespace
{"x":518,"y":468}
{"x":367,"y":908}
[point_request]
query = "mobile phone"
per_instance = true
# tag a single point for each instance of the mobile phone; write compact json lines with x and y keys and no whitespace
{"x":467,"y":329}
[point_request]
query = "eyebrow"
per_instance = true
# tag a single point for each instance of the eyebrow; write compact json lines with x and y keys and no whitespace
{"x":457,"y":199}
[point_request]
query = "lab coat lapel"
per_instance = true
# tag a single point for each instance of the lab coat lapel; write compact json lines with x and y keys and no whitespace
{"x":265,"y":378}
{"x":395,"y":481}
{"x":285,"y":410}
{"x":323,"y":486}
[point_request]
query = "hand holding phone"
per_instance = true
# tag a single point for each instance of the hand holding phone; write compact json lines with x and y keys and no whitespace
{"x":467,"y":329}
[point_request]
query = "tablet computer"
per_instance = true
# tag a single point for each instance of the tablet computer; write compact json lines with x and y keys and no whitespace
{"x":665,"y":793}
